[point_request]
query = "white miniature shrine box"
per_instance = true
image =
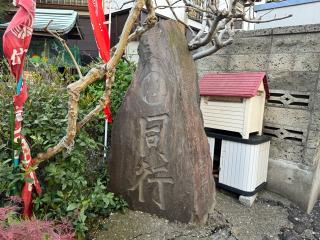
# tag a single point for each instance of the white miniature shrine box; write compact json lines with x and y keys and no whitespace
{"x":234,"y":101}
{"x":242,"y":164}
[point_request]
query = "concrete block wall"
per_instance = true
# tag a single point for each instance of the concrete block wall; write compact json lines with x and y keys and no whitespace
{"x":291,"y":58}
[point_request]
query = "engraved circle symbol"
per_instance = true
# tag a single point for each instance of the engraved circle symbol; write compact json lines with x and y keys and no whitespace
{"x":153,"y":88}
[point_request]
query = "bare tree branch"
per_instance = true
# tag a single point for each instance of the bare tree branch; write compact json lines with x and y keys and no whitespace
{"x":217,"y":42}
{"x":217,"y":22}
{"x":264,"y":21}
{"x":65,"y":45}
{"x":151,"y":19}
{"x":126,"y":3}
{"x":213,"y":25}
{"x":176,"y":17}
{"x":103,"y":102}
{"x":195,"y":6}
{"x":74,"y":89}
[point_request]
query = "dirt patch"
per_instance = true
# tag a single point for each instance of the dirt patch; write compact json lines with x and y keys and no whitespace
{"x":262,"y":221}
{"x":271,"y":217}
{"x":137,"y":225}
{"x":305,"y":226}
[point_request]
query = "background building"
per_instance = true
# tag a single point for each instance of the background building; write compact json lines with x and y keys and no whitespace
{"x":303,"y":12}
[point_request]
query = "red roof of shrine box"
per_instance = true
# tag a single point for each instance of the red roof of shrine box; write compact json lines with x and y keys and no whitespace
{"x":241,"y":84}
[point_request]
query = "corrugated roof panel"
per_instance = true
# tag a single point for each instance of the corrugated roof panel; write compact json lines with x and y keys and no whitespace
{"x":62,"y":21}
{"x":241,"y":84}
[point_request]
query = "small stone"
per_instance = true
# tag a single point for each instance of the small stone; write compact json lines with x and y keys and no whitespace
{"x":316,"y":235}
{"x":232,"y":238}
{"x":316,"y":226}
{"x":266,"y":238}
{"x":300,"y":227}
{"x":247,"y":200}
{"x":293,"y":219}
{"x":308,"y":234}
{"x":104,"y":226}
{"x":289,"y":235}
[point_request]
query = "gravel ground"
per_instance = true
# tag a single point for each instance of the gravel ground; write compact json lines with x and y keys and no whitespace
{"x":271,"y":217}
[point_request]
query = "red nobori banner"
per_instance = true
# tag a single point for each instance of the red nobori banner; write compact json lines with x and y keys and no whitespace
{"x":100,"y":31}
{"x":99,"y":28}
{"x":16,"y":41}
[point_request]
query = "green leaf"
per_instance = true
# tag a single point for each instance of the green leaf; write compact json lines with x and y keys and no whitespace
{"x":72,"y":206}
{"x":60,"y":194}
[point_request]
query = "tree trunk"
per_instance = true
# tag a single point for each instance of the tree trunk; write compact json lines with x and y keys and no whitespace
{"x":160,"y":160}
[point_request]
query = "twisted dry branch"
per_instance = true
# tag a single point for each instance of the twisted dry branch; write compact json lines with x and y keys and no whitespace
{"x":74,"y":89}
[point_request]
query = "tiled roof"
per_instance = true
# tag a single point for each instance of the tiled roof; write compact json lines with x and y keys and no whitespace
{"x":240,"y":84}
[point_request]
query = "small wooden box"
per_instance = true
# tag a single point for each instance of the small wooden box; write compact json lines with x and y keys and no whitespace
{"x":234,"y":102}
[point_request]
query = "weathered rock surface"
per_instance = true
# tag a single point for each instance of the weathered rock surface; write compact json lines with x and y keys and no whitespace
{"x":160,"y":159}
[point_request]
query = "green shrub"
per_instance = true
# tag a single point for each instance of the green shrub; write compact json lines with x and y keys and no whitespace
{"x":121,"y":83}
{"x":4,"y":9}
{"x":74,"y":183}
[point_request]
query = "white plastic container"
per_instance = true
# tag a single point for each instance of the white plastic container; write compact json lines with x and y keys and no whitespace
{"x":243,"y":162}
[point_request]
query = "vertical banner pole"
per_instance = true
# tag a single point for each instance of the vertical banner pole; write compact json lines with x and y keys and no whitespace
{"x":106,"y":121}
{"x":98,"y":22}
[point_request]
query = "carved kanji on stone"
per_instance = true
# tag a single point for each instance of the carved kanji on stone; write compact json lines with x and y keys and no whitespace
{"x":153,"y":158}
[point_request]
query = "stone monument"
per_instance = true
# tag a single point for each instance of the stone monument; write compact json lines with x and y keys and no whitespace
{"x":160,"y":160}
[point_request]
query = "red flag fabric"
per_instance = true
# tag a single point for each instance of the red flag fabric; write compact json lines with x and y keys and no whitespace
{"x":99,"y":28}
{"x":107,"y":113}
{"x":16,"y":41}
{"x":17,"y":36}
{"x":100,"y":31}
